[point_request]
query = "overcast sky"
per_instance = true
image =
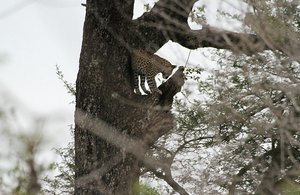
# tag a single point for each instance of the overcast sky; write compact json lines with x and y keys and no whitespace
{"x":37,"y":35}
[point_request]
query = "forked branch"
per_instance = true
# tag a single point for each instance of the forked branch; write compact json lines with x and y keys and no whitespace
{"x":168,"y":20}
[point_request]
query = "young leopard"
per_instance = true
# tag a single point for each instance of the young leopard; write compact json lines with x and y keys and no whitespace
{"x":148,"y":65}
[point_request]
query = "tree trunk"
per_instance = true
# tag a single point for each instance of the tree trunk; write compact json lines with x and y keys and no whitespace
{"x":107,"y":154}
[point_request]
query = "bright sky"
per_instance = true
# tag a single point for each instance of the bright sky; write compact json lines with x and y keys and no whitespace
{"x":33,"y":40}
{"x":37,"y":35}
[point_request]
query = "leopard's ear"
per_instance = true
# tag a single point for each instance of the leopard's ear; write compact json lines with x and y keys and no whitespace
{"x":173,"y":66}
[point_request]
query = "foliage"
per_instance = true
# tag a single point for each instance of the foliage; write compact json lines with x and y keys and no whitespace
{"x":69,"y":86}
{"x":144,"y":189}
{"x":243,"y":136}
{"x":198,"y":15}
{"x":63,"y":182}
{"x":255,"y":120}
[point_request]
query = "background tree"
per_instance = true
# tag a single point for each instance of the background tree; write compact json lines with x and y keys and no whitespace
{"x":21,"y":171}
{"x":115,"y":127}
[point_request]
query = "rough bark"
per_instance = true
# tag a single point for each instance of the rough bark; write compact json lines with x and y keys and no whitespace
{"x":103,"y":71}
{"x":104,"y":163}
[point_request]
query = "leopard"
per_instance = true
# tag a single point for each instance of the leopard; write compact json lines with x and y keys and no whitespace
{"x":147,"y":66}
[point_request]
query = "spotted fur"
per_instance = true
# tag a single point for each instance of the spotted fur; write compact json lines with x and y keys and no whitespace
{"x":147,"y":66}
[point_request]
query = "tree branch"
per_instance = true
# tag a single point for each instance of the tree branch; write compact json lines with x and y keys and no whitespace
{"x":220,"y":39}
{"x":167,"y":20}
{"x":157,"y":26}
{"x":167,"y":177}
{"x":172,"y":86}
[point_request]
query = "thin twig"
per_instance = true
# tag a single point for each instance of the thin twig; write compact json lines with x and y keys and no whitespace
{"x":188,"y":58}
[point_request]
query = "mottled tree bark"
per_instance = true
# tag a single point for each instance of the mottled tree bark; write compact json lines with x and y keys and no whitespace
{"x":113,"y":126}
